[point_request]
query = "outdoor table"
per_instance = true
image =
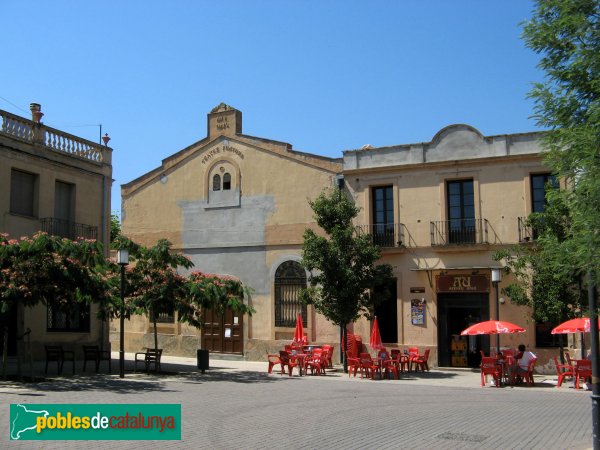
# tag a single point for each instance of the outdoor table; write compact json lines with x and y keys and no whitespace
{"x":504,"y":364}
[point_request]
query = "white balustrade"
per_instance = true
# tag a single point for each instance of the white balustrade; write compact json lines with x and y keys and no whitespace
{"x":57,"y":140}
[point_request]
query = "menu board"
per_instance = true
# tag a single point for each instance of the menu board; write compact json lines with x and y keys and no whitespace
{"x":417,"y":311}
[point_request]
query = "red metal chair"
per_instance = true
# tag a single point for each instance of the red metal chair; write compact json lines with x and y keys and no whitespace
{"x":582,"y":369}
{"x":421,"y":361}
{"x":489,"y":366}
{"x":563,"y":371}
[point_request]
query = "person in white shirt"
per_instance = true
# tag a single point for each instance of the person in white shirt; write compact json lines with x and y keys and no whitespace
{"x":522,"y":361}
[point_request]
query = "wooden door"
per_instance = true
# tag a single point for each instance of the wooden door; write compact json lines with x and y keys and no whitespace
{"x":223,"y":333}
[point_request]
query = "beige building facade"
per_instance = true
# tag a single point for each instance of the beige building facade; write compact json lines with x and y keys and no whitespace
{"x":238,"y":205}
{"x":235,"y":205}
{"x":55,"y":182}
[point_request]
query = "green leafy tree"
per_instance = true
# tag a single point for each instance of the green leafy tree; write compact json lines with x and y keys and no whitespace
{"x":566,"y":33}
{"x":542,"y":279}
{"x":344,"y":280}
{"x":52,"y":271}
{"x":155,"y":287}
{"x":115,"y":226}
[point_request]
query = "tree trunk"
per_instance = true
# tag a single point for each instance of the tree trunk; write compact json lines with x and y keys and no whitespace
{"x":345,"y":350}
{"x":155,"y":339}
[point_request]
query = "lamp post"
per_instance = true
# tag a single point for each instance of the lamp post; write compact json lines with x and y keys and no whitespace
{"x":496,"y":277}
{"x":122,"y":260}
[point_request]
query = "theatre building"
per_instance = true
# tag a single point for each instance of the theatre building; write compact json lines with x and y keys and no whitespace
{"x":238,"y":205}
{"x":235,"y":205}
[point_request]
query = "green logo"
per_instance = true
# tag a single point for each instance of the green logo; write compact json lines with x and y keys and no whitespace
{"x":95,"y":422}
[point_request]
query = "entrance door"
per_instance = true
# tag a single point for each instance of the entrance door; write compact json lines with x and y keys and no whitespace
{"x":387,"y":315}
{"x":223,"y":333}
{"x":456,"y":312}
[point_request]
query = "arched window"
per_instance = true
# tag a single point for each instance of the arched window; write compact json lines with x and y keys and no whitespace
{"x":217,"y":182}
{"x":226,"y":181}
{"x":290,"y":277}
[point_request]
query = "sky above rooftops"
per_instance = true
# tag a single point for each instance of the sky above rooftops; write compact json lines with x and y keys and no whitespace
{"x":324,"y":76}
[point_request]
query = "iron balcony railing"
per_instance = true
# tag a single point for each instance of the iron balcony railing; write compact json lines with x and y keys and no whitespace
{"x":459,"y":232}
{"x":384,"y":235}
{"x":526,"y":232}
{"x":68,"y":229}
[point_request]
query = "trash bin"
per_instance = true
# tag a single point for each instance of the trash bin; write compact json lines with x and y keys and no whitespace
{"x":202,"y":356}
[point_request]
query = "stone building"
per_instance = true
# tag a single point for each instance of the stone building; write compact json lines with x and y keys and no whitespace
{"x":55,"y":182}
{"x":238,"y":205}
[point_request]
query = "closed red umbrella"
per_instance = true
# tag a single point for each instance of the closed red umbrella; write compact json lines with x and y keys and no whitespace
{"x":375,"y":340}
{"x":492,"y":327}
{"x":579,"y":325}
{"x":299,"y":333}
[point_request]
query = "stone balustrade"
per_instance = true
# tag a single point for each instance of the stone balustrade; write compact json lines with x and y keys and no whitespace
{"x":56,"y":140}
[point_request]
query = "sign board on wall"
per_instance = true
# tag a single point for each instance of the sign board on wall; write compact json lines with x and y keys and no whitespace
{"x":462,"y":283}
{"x":417,"y":311}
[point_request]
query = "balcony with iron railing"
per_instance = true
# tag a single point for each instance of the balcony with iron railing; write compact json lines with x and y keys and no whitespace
{"x":459,"y":232}
{"x":526,"y":232}
{"x":54,"y":140}
{"x":384,"y":235}
{"x":68,"y":229}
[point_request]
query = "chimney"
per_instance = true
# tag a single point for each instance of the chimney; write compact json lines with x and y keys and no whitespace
{"x":36,"y":112}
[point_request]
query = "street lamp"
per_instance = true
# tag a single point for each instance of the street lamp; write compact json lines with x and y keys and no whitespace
{"x":496,"y":277}
{"x":122,"y":260}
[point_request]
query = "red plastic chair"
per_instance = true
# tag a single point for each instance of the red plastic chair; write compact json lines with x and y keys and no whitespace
{"x":317,"y":362}
{"x":489,"y":366}
{"x":328,"y":349}
{"x":413,"y":352}
{"x":367,"y":365}
{"x":583,"y":369}
{"x":421,"y":361}
{"x":519,"y":377}
{"x":563,"y":371}
{"x":273,"y":361}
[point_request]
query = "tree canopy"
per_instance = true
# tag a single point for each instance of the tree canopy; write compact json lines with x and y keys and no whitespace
{"x":344,"y":279}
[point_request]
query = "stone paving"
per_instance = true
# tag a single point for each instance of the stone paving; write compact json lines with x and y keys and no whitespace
{"x":236,"y":405}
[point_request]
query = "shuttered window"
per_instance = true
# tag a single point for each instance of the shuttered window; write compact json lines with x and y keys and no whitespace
{"x":23,"y":193}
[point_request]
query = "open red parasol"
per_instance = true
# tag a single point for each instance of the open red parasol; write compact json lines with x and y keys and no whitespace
{"x":579,"y":325}
{"x":375,"y":341}
{"x":492,"y":327}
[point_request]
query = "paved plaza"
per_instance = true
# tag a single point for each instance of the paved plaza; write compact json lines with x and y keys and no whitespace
{"x":236,"y":405}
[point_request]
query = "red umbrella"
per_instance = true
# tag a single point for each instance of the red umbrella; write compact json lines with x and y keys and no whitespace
{"x":299,"y":333}
{"x":580,"y":325}
{"x":492,"y":327}
{"x":375,"y":341}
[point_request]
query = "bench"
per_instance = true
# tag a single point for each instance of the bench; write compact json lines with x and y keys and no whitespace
{"x":94,"y":354}
{"x":55,"y":353}
{"x":148,"y":357}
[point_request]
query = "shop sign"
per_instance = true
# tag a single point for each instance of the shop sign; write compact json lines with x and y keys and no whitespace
{"x":462,"y":283}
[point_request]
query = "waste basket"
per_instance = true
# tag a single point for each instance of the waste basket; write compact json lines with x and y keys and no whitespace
{"x":202,"y":356}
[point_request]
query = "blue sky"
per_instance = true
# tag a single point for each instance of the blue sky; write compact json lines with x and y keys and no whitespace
{"x":325,"y":76}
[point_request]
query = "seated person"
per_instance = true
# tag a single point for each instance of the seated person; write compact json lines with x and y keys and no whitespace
{"x":522,"y":359}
